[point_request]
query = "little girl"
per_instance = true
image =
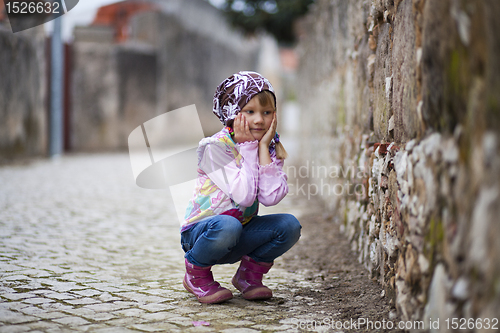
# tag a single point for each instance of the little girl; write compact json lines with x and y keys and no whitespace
{"x":238,"y":168}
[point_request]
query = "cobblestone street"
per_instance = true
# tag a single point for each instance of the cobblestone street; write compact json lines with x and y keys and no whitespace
{"x":82,"y":248}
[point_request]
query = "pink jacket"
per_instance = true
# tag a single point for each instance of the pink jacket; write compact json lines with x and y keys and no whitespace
{"x":231,"y":181}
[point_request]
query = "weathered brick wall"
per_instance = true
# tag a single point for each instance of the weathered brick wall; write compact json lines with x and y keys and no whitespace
{"x":23,"y":123}
{"x":401,"y":108}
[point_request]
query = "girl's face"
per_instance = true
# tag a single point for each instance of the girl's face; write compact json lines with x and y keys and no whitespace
{"x":259,"y":117}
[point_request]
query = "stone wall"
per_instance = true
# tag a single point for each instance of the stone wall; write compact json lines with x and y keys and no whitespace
{"x":94,"y":117}
{"x":113,"y":92}
{"x":23,"y":123}
{"x":400,"y":102}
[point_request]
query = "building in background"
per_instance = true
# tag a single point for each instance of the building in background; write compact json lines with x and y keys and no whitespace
{"x":136,"y":60}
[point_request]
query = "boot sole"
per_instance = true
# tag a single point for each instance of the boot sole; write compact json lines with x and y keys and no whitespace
{"x":218,"y":297}
{"x":259,"y":293}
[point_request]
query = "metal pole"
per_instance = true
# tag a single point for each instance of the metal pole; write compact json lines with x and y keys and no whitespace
{"x":56,"y":91}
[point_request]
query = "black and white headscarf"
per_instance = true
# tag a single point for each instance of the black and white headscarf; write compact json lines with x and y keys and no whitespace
{"x":236,"y":91}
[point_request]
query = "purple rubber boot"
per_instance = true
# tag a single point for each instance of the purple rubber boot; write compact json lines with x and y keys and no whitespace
{"x":248,"y":279}
{"x":200,"y":282}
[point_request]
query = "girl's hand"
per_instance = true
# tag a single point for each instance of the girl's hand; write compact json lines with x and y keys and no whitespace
{"x":242,"y":130}
{"x":266,"y":139}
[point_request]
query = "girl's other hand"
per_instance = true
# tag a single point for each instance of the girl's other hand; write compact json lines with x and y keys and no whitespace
{"x":266,"y":139}
{"x":242,"y":129}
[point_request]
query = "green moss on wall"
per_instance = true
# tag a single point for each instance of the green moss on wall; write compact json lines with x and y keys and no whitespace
{"x":456,"y":90}
{"x":434,"y":239}
{"x":341,"y":107}
{"x":493,"y":108}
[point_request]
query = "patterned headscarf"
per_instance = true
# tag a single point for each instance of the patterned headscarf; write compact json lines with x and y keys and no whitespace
{"x":236,"y":91}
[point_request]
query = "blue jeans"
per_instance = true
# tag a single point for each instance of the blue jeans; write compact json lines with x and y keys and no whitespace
{"x":222,"y":239}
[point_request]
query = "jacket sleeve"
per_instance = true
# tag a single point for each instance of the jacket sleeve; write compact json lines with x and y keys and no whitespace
{"x":239,"y":183}
{"x":272,"y":182}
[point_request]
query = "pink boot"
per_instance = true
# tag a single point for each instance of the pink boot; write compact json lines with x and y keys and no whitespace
{"x":200,"y":282}
{"x":248,"y":279}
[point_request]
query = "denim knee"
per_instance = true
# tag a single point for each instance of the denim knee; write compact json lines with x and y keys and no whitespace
{"x":226,"y":229}
{"x":282,"y":234}
{"x":211,"y":240}
{"x":292,"y":227}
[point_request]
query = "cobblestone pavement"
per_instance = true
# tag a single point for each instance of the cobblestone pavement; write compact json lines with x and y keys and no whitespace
{"x":82,"y":248}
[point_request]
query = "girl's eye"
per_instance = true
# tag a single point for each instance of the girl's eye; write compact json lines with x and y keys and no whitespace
{"x":249,"y":111}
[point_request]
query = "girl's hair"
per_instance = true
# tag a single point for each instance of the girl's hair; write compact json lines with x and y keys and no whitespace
{"x":267,"y":98}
